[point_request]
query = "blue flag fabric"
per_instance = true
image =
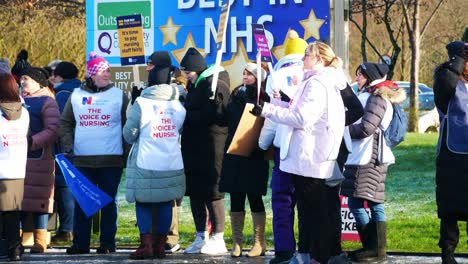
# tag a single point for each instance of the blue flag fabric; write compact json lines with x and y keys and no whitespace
{"x":90,"y":198}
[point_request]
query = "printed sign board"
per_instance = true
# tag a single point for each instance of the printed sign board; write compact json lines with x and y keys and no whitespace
{"x":262,"y":43}
{"x":132,"y":49}
{"x":348,"y":223}
{"x":176,"y":25}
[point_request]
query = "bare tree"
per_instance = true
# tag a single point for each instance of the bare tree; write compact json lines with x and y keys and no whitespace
{"x":381,"y":11}
{"x":412,"y":22}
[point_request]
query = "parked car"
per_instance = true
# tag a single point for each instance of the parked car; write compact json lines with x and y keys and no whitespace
{"x":428,"y":116}
{"x":426,"y":96}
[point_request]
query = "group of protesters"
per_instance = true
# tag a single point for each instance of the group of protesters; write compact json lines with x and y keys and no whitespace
{"x":172,"y":137}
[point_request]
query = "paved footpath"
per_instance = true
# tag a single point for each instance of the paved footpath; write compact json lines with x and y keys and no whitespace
{"x":121,"y":256}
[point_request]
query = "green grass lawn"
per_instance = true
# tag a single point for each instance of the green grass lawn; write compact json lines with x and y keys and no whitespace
{"x":413,"y":225}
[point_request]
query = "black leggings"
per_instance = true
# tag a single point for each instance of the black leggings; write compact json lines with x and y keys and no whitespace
{"x":204,"y":208}
{"x":255,"y":201}
{"x":9,"y":228}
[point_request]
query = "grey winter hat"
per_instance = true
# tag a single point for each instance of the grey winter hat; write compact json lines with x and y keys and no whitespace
{"x":252,"y":68}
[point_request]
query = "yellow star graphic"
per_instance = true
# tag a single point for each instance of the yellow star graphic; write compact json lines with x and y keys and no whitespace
{"x":278,"y":51}
{"x":189,"y":42}
{"x":170,"y":31}
{"x":312,"y":26}
{"x":235,"y":66}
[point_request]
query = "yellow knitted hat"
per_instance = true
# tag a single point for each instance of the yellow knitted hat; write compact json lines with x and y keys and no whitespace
{"x":294,"y":44}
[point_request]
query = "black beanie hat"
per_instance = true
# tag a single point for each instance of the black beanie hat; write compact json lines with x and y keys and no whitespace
{"x":193,"y":61}
{"x":21,"y":63}
{"x":458,"y":48}
{"x":160,"y":59}
{"x":37,"y":74}
{"x":161,"y":73}
{"x":66,"y":70}
{"x":373,"y":71}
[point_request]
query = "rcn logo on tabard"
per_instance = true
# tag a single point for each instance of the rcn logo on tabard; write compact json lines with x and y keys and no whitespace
{"x":292,"y":80}
{"x":87,"y":100}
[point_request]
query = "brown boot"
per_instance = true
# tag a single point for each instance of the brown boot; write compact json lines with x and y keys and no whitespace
{"x":159,"y":243}
{"x":363,"y":232}
{"x":259,"y":246}
{"x":377,"y":243}
{"x":237,"y":226}
{"x":145,"y":250}
{"x":40,"y":243}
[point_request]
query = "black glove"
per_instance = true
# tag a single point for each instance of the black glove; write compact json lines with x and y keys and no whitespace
{"x":264,"y":96}
{"x":68,"y":153}
{"x":257,"y":110}
{"x":284,"y":97}
{"x":135,"y":93}
{"x":456,"y":64}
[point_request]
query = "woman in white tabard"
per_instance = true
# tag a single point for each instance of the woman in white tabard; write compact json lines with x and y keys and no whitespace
{"x":155,"y":169}
{"x":91,"y":131}
{"x":14,"y":123}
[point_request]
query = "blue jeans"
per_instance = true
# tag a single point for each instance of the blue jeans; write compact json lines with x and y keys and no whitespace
{"x":66,"y":205}
{"x":145,"y":218}
{"x":356,"y":206}
{"x":41,"y":220}
{"x":108,"y":180}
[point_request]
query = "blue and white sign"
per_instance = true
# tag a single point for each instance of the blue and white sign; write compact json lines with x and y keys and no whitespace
{"x":176,"y":25}
{"x":90,"y":198}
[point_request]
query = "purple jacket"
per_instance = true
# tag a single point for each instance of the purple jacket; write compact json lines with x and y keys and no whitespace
{"x":40,"y":168}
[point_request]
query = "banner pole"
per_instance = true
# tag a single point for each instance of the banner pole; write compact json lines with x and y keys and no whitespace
{"x":223,"y":20}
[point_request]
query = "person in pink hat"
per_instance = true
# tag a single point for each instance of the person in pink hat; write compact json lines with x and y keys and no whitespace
{"x":91,"y":129}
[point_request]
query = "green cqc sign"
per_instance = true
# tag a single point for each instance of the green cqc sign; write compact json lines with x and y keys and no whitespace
{"x":107,"y":13}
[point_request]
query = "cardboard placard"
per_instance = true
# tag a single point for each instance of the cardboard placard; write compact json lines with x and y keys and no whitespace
{"x":245,"y":140}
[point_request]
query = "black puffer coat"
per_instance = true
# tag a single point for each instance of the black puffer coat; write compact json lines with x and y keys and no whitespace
{"x":451,"y":168}
{"x":368,"y":181}
{"x":203,"y":137}
{"x":242,"y":174}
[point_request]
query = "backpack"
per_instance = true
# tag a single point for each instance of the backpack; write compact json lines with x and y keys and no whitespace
{"x":396,"y":130}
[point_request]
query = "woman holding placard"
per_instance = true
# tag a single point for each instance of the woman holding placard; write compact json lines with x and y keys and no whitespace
{"x":245,"y":177}
{"x":314,"y":122}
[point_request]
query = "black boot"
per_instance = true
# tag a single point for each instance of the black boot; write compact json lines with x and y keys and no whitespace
{"x":3,"y":248}
{"x":15,"y":252}
{"x":363,"y":232}
{"x":447,"y":256}
{"x":377,"y":243}
{"x":12,"y":235}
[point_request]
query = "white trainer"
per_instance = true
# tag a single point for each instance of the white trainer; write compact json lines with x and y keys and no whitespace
{"x":214,"y":246}
{"x":196,"y":246}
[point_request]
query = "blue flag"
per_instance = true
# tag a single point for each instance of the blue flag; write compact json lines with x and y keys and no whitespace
{"x":90,"y":198}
